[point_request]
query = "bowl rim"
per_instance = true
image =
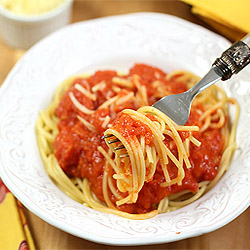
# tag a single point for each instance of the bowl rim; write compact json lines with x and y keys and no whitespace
{"x":133,"y":241}
{"x":37,"y":17}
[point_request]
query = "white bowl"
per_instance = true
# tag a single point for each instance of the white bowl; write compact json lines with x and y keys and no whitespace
{"x":116,"y":43}
{"x":23,"y":31}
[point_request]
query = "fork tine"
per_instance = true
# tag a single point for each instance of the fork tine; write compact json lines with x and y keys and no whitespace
{"x":106,"y":136}
{"x":110,"y":142}
{"x":120,"y":147}
{"x":124,"y":155}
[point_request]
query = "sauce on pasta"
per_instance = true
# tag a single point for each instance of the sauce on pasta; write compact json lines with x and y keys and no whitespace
{"x":76,"y":147}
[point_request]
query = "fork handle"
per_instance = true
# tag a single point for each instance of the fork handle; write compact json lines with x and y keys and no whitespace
{"x":234,"y":59}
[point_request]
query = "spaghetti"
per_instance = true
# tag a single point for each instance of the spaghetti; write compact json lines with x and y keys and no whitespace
{"x":151,"y":165}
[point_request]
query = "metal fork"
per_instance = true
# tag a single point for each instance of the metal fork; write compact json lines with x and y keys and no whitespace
{"x":232,"y":61}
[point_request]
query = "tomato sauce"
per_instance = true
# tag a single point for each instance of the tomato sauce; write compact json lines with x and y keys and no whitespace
{"x":130,"y":128}
{"x":75,"y":147}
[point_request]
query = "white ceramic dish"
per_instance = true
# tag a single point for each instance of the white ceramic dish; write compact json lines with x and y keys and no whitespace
{"x":24,"y":31}
{"x":116,"y":43}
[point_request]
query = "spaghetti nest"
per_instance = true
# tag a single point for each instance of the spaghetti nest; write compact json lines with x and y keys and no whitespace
{"x":151,"y":165}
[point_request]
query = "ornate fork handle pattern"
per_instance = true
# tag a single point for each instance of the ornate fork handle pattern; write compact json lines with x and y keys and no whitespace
{"x":233,"y":60}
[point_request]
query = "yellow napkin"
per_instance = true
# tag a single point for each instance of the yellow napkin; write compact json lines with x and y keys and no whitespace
{"x":14,"y":231}
{"x":229,"y":17}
